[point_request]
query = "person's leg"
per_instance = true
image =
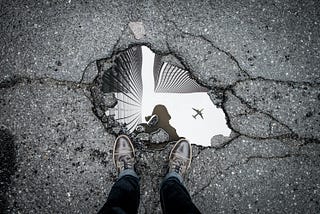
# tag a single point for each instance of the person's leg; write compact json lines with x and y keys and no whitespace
{"x":174,"y":196}
{"x":125,"y":193}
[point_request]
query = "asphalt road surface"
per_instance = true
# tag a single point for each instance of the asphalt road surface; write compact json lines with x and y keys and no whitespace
{"x":260,"y":60}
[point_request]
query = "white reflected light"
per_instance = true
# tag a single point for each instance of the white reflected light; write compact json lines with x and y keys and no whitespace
{"x":198,"y":131}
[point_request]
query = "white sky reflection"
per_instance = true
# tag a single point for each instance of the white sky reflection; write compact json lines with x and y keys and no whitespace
{"x":198,"y":131}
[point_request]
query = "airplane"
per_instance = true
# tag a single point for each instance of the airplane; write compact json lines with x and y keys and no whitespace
{"x":199,"y":112}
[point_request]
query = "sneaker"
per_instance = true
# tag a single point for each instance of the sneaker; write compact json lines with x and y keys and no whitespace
{"x":180,"y":157}
{"x":153,"y":120}
{"x":123,"y":153}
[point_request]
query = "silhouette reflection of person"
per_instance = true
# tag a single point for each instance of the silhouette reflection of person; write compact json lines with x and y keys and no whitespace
{"x":163,"y":122}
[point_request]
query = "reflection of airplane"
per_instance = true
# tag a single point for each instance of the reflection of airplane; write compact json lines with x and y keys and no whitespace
{"x":199,"y":112}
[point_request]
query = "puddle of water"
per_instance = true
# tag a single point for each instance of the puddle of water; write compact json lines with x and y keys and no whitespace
{"x":140,"y":87}
{"x":181,"y":107}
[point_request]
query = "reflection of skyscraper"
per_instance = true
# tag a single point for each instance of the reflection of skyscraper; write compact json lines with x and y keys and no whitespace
{"x":172,"y":79}
{"x":124,"y":79}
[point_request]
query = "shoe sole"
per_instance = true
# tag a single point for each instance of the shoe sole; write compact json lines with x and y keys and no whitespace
{"x":190,"y":150}
{"x":114,"y":147}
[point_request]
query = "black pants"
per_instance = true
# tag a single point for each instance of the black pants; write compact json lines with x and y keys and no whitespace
{"x":125,"y":195}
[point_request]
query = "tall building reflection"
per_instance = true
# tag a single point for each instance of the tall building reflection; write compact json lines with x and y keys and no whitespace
{"x":125,"y":80}
{"x":172,"y":79}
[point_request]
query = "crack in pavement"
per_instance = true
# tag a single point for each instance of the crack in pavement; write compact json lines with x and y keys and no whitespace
{"x":187,"y":68}
{"x":243,"y":162}
{"x":231,"y":89}
{"x":115,"y":46}
{"x":85,"y":71}
{"x":15,"y":80}
{"x":287,"y":82}
{"x":233,"y":58}
{"x":292,"y":134}
{"x":260,"y":111}
{"x":114,"y":52}
{"x":271,"y":113}
{"x":307,"y":141}
{"x":225,"y":144}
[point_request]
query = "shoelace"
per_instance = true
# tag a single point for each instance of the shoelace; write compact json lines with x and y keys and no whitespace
{"x":127,"y":163}
{"x":177,"y":165}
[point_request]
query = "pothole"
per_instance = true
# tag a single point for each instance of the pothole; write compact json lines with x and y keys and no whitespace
{"x":155,"y":100}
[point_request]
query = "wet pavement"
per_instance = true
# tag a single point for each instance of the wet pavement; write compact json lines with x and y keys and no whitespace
{"x":259,"y":59}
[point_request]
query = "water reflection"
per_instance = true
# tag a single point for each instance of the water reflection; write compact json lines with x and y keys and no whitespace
{"x":148,"y":92}
{"x":158,"y":127}
{"x":125,"y":81}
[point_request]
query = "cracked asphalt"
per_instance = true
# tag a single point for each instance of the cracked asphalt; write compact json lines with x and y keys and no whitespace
{"x":260,"y":60}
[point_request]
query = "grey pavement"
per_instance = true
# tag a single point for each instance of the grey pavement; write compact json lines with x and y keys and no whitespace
{"x":260,"y":60}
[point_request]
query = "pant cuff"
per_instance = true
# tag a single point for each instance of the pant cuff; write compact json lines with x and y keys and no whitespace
{"x":173,"y":175}
{"x":128,"y":172}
